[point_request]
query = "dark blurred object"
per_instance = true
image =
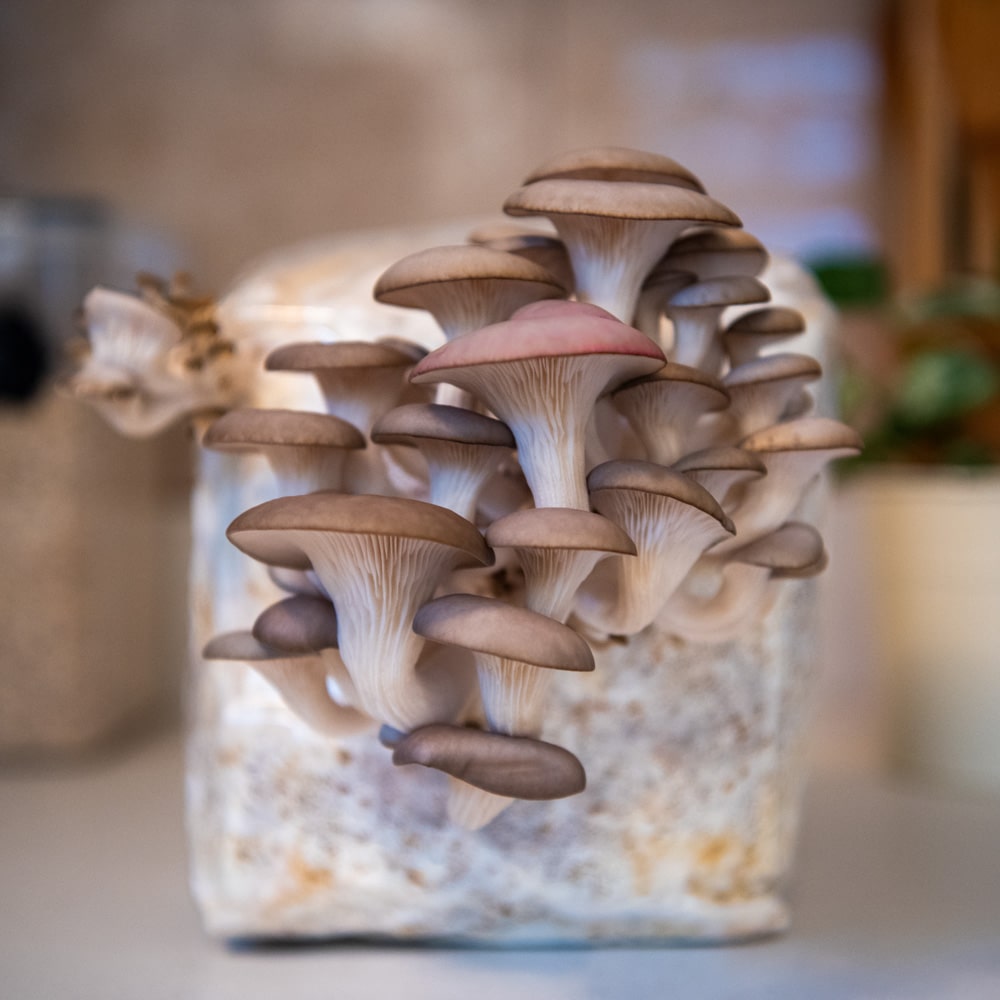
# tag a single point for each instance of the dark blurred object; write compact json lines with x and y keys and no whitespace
{"x":24,"y":356}
{"x":934,"y":395}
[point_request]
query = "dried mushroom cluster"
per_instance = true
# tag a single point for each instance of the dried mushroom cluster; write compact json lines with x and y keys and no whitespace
{"x":463,"y":522}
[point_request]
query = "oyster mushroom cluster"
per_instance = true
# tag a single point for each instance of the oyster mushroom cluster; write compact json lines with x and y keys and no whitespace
{"x":594,"y":450}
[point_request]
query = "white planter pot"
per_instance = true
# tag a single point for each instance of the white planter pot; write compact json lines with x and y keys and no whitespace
{"x":935,"y":543}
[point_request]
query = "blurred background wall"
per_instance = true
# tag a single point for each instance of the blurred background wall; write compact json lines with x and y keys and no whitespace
{"x":218,"y":130}
{"x":241,"y":125}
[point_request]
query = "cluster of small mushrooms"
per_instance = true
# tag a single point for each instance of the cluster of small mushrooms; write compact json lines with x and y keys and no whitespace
{"x":592,"y":452}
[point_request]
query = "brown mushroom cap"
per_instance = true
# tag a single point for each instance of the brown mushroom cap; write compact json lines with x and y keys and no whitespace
{"x":721,"y":469}
{"x":713,"y":253}
{"x":544,"y":249}
{"x":298,"y":624}
{"x":250,"y":429}
{"x":749,"y":333}
{"x":664,"y":407}
{"x":727,"y":458}
{"x":615,"y":232}
{"x":410,"y":424}
{"x":493,"y":627}
{"x":719,"y":292}
{"x":645,"y":477}
{"x":607,"y":199}
{"x":511,"y":766}
{"x":557,"y":548}
{"x":300,"y":678}
{"x":616,"y":163}
{"x":793,"y":547}
{"x":558,"y":528}
{"x":267,"y":532}
{"x":806,"y":434}
{"x":672,"y":520}
{"x":315,"y":356}
{"x":763,"y":390}
{"x":358,"y":381}
{"x":244,"y":647}
{"x":465,"y":286}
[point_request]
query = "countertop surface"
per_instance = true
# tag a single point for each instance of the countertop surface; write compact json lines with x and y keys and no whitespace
{"x":897,"y":895}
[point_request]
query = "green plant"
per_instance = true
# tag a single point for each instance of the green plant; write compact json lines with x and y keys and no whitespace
{"x":934,"y":395}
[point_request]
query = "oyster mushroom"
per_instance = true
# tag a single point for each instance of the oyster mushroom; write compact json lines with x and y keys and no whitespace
{"x":306,"y":451}
{"x":717,"y":253}
{"x":793,"y":453}
{"x":672,"y":521}
{"x":307,"y":624}
{"x":753,"y":332}
{"x":557,"y":548}
{"x":514,"y":649}
{"x":359,"y":381}
{"x":663,"y":408}
{"x":762,"y":391}
{"x":466,"y":287}
{"x":544,"y":249}
{"x":126,"y":374}
{"x":299,"y":678}
{"x":541,"y":375}
{"x":615,"y":232}
{"x":616,"y":163}
{"x":462,"y":449}
{"x":743,"y":586}
{"x":379,"y":559}
{"x":513,"y":767}
{"x":721,"y":470}
{"x":695,"y":311}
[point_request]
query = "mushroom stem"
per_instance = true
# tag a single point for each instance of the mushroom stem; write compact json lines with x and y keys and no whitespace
{"x":377,"y":644}
{"x":610,"y":263}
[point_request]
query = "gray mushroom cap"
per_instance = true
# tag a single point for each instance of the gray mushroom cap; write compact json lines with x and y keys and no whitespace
{"x":511,"y":766}
{"x":714,"y":253}
{"x":493,"y":627}
{"x":410,"y":424}
{"x":267,"y":532}
{"x":672,"y":520}
{"x":645,"y":477}
{"x":316,"y":356}
{"x":243,"y":646}
{"x":616,"y":163}
{"x":298,"y":624}
{"x":720,"y":292}
{"x":695,"y":312}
